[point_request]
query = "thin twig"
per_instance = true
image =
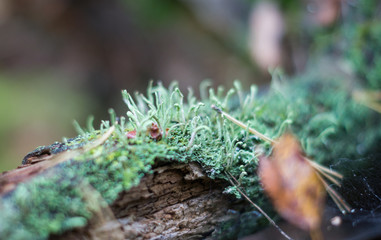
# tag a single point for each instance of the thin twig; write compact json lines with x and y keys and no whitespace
{"x":242,"y":125}
{"x":325,"y":169}
{"x":343,"y":206}
{"x":329,"y":174}
{"x":330,"y":178}
{"x":256,"y":206}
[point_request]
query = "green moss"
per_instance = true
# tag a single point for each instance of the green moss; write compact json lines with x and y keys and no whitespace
{"x":364,"y":49}
{"x":321,"y":112}
{"x":328,"y":123}
{"x":357,"y":40}
{"x":50,"y":203}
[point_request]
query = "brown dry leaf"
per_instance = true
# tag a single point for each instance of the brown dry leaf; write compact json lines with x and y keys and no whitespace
{"x":293,"y":184}
{"x":296,"y":184}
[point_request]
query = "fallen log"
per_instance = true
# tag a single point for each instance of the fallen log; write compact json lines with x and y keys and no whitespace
{"x":175,"y":201}
{"x":163,"y":173}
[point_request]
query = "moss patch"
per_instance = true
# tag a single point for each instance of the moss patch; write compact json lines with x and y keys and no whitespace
{"x":319,"y":111}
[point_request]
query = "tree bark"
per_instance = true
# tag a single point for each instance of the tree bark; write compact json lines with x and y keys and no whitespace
{"x":176,"y":201}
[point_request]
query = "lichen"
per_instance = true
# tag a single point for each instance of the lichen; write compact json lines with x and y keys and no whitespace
{"x":321,"y":112}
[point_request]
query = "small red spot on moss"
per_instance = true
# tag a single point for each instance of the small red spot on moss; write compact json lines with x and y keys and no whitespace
{"x":155,"y":132}
{"x":131,"y":134}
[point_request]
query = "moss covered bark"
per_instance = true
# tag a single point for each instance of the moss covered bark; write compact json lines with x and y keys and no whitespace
{"x":320,"y":111}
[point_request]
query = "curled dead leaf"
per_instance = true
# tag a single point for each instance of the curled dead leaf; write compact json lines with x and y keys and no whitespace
{"x":293,"y":184}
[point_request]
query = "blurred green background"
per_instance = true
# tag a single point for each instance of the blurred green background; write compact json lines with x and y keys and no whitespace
{"x":62,"y":60}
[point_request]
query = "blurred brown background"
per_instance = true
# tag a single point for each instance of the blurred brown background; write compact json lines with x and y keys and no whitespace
{"x":67,"y":59}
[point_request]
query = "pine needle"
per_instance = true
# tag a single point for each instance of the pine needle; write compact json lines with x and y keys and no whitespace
{"x":339,"y":201}
{"x":241,"y":124}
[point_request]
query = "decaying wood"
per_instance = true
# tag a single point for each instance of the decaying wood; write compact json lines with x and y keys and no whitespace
{"x":176,"y":201}
{"x":41,"y":159}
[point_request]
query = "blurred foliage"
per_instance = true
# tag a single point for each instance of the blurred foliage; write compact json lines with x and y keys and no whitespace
{"x":364,"y":53}
{"x":92,"y":50}
{"x":36,"y":112}
{"x":355,"y":38}
{"x":152,"y":14}
{"x":97,"y":48}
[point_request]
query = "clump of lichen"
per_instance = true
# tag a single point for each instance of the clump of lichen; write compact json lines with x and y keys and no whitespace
{"x":321,"y":112}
